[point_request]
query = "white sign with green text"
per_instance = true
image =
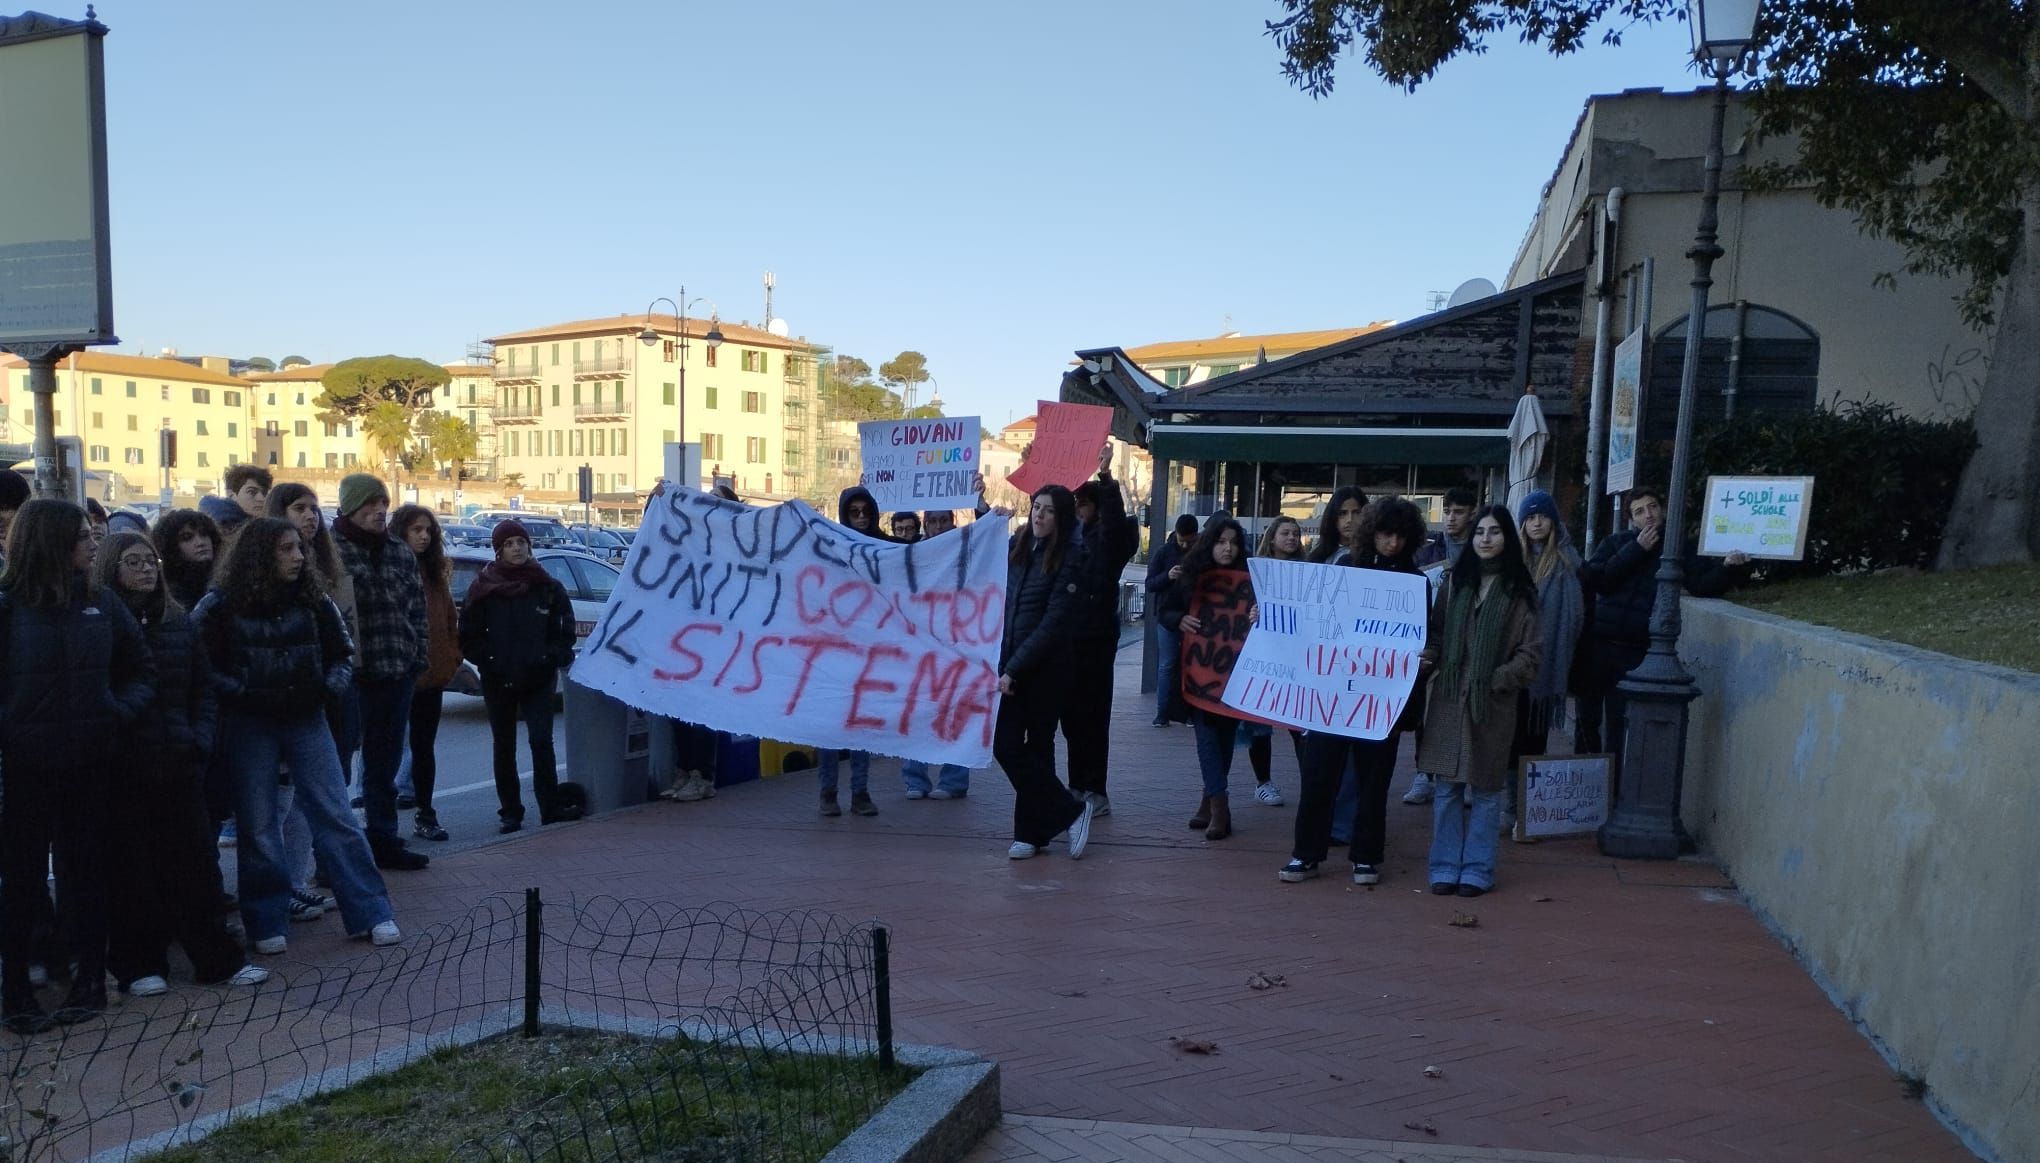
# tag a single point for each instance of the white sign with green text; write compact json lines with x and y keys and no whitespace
{"x":1761,"y":516}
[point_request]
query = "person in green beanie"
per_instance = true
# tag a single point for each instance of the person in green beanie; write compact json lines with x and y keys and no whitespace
{"x":392,"y":648}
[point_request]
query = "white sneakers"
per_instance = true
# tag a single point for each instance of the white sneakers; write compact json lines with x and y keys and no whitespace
{"x":1021,"y":850}
{"x":154,"y":986}
{"x":150,"y":986}
{"x":914,"y":793}
{"x":271,"y":946}
{"x":1268,"y":794}
{"x":694,"y":786}
{"x":385,"y":933}
{"x":1080,"y":832}
{"x":249,"y":975}
{"x":1420,"y":790}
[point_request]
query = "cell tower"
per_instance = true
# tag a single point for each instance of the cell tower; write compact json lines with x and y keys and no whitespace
{"x":769,"y":281}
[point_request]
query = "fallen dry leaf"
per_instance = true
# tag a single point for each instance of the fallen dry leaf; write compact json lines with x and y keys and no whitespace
{"x":1266,"y":981}
{"x":1434,"y":1072}
{"x":1540,"y":899}
{"x":1193,"y":1045}
{"x":1427,"y":1126}
{"x":1464,"y":921}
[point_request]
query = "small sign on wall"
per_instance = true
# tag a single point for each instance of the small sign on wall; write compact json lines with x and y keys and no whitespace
{"x":1563,"y":795}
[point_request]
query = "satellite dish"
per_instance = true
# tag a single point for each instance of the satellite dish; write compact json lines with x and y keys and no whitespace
{"x":1469,"y":291}
{"x":778,"y":327}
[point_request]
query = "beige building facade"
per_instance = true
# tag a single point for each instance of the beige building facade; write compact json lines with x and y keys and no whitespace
{"x":1795,"y":311}
{"x":589,"y":392}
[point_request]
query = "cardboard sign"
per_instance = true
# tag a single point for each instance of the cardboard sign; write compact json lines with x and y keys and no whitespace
{"x":780,"y":623}
{"x":1625,"y":412}
{"x":921,"y":464}
{"x":1336,"y":649}
{"x":1221,"y":604}
{"x":1067,"y":438}
{"x":1563,"y":796}
{"x":1761,"y":516}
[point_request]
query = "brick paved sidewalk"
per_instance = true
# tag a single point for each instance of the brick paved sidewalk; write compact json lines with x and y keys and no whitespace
{"x":1598,"y":1008}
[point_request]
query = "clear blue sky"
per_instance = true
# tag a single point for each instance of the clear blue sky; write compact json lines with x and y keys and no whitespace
{"x":992,"y":185}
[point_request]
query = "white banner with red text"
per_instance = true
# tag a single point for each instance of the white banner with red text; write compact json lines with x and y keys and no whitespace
{"x":780,"y":623}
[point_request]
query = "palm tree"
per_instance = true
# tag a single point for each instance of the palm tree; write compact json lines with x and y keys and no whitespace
{"x":388,"y":428}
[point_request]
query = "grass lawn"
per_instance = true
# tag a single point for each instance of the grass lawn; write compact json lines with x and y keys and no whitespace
{"x":794,"y":1106}
{"x":1989,"y":615}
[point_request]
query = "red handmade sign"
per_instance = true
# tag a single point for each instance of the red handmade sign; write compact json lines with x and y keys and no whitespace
{"x":1067,"y":438}
{"x":1221,"y":604}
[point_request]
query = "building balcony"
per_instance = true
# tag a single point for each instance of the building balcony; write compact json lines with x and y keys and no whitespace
{"x":591,"y":368}
{"x":505,"y":374}
{"x":602,"y":410}
{"x":517,"y":413}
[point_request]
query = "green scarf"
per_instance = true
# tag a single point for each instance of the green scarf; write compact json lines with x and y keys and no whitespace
{"x":1473,"y":640}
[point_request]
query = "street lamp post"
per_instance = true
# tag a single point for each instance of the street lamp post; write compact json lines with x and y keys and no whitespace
{"x":1660,"y":691}
{"x":650,"y":338}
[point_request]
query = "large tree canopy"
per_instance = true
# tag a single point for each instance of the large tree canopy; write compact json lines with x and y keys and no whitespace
{"x":1920,"y":116}
{"x":854,"y":395}
{"x":356,"y":386}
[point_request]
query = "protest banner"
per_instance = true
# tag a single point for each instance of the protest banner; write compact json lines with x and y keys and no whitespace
{"x":1625,"y":412}
{"x":921,"y":464}
{"x":1563,"y":796}
{"x":1221,"y":603}
{"x":1761,"y":516}
{"x":1336,"y":648}
{"x":1067,"y":438}
{"x":780,"y":623}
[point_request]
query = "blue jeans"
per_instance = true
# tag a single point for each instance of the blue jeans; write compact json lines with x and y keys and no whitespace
{"x":1462,"y":842}
{"x":385,"y":724}
{"x":1215,"y":737}
{"x":254,"y":747}
{"x":860,"y":770}
{"x":954,"y":777}
{"x":1168,"y":661}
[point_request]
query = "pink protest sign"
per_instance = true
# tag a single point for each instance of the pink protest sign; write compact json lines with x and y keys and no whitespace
{"x":1067,"y":438}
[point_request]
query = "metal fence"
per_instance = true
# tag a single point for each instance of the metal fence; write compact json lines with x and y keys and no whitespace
{"x":734,"y":995}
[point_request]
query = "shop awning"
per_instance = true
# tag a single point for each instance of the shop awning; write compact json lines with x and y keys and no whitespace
{"x":1465,"y":446}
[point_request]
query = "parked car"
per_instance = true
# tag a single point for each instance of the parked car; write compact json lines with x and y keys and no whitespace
{"x":588,"y":581}
{"x":601,"y":541}
{"x":466,"y":534}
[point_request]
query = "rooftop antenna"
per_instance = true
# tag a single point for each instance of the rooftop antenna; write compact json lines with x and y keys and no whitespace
{"x":769,"y":282}
{"x":1438,"y":298}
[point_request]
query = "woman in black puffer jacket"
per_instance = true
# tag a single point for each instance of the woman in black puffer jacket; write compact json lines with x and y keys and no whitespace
{"x":162,"y":834}
{"x":278,"y":650}
{"x":74,"y":674}
{"x":1044,"y":583}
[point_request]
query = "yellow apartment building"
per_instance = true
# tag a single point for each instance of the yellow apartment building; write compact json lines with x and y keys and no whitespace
{"x":289,"y":435}
{"x":118,"y":404}
{"x":589,"y":392}
{"x":1181,"y":363}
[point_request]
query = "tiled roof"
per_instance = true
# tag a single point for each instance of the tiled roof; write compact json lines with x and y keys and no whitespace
{"x":697,"y":328}
{"x":138,"y":367}
{"x":301,"y":373}
{"x":1246,"y":347}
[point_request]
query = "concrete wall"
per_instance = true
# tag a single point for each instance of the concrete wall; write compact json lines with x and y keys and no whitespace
{"x":1881,"y":805}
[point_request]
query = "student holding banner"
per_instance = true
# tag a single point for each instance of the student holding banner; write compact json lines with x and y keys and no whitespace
{"x":1485,"y":644}
{"x":1385,"y":538}
{"x":858,"y":509}
{"x":1044,"y":594}
{"x":1282,"y":540}
{"x":1222,"y":546}
{"x":1109,"y":539}
{"x":952,"y":781}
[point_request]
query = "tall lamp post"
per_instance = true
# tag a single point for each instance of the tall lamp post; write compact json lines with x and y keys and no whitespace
{"x":1645,"y":822}
{"x":651,"y":338}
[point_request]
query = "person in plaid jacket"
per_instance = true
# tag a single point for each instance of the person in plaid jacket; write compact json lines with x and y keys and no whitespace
{"x":392,"y":646}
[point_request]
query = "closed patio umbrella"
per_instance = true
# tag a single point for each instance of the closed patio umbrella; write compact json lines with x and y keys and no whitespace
{"x":1528,"y":438}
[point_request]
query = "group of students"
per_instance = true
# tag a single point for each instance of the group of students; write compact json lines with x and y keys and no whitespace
{"x":223,"y":668}
{"x":1518,"y":626}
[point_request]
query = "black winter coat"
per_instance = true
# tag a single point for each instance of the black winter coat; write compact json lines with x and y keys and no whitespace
{"x":1041,"y":611}
{"x":183,"y":719}
{"x":1622,"y":577}
{"x":1110,"y":541}
{"x":518,"y":643}
{"x":280,"y":664}
{"x":73,"y":680}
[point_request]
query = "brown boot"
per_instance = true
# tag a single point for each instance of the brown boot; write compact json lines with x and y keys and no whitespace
{"x":1221,"y":818}
{"x":1203,"y":816}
